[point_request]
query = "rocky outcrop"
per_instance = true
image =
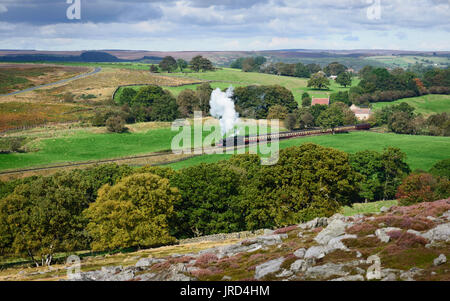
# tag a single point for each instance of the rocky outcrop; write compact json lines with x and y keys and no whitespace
{"x":336,"y":248}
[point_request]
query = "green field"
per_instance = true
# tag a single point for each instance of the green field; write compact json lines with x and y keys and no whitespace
{"x":422,"y":151}
{"x":426,"y":104}
{"x":238,"y":78}
{"x":85,"y":146}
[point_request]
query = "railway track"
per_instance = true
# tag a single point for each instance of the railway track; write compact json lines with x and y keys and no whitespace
{"x":291,"y":135}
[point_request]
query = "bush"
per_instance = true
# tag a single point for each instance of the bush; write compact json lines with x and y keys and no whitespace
{"x":441,"y":169}
{"x":418,"y":188}
{"x":132,"y":213}
{"x":116,"y":124}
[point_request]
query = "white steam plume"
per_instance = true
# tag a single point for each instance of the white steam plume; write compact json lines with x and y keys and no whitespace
{"x":222,"y":108}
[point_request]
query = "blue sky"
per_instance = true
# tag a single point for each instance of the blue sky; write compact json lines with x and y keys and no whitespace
{"x":173,"y":25}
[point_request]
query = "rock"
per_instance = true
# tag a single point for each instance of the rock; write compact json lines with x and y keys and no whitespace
{"x":337,"y":244}
{"x":268,"y":232}
{"x":446,"y":215}
{"x":350,"y":278}
{"x":268,"y":268}
{"x":147,"y":262}
{"x":382,"y":233}
{"x":300,"y":235}
{"x":440,"y":233}
{"x":358,"y":254}
{"x":360,"y":271}
{"x":431,"y":218}
{"x":409,"y":275}
{"x":384,"y":209}
{"x":315,"y":223}
{"x":284,"y":274}
{"x":299,"y":265}
{"x":326,"y":271}
{"x":390,"y":277}
{"x":226,"y":278}
{"x":334,"y":229}
{"x":336,"y":216}
{"x":440,"y":260}
{"x":300,"y":253}
{"x":416,"y":233}
{"x":316,"y":252}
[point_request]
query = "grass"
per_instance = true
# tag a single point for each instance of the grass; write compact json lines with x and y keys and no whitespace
{"x":422,"y":151}
{"x":362,"y":208}
{"x":426,"y":104}
{"x":84,"y":145}
{"x":297,"y":85}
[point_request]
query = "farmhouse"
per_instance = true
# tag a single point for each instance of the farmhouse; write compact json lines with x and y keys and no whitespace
{"x":320,"y":101}
{"x":361,"y":113}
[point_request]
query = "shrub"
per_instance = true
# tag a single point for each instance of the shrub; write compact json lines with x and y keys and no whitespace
{"x":423,"y":187}
{"x":441,"y":169}
{"x":116,"y":124}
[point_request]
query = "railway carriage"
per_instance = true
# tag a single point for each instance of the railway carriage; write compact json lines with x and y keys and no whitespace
{"x":244,"y":140}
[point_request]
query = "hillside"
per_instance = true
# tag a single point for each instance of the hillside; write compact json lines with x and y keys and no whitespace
{"x":412,"y":243}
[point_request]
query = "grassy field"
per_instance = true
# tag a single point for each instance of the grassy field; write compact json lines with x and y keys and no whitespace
{"x":426,"y":104}
{"x":85,"y":145}
{"x":236,"y":77}
{"x":422,"y":151}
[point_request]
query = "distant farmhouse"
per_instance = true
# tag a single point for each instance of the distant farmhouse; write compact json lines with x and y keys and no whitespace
{"x":320,"y":101}
{"x":333,"y":77}
{"x":361,"y":113}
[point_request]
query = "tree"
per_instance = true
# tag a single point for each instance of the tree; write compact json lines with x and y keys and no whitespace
{"x":154,"y":69}
{"x":401,"y":123}
{"x":204,"y":95}
{"x":306,"y":119}
{"x":277,"y":112}
{"x":441,"y":169}
{"x":306,"y":102}
{"x":188,"y":102}
{"x":127,"y":96}
{"x":319,"y":81}
{"x":302,"y":71}
{"x":132,"y":213}
{"x":307,"y":182}
{"x":313,"y":68}
{"x":331,"y":118}
{"x":334,"y":68}
{"x":344,"y":79}
{"x":209,"y":202}
{"x":382,"y":172}
{"x":164,"y":108}
{"x":291,"y":121}
{"x":200,"y":63}
{"x":147,"y":95}
{"x":182,"y":64}
{"x":168,"y":64}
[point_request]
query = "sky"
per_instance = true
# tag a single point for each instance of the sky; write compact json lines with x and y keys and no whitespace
{"x":225,"y":25}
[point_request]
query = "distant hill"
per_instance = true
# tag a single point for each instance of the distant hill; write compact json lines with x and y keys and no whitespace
{"x":84,"y":57}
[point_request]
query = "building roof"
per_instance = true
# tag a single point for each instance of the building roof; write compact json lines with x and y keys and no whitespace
{"x":320,"y":101}
{"x":360,"y":111}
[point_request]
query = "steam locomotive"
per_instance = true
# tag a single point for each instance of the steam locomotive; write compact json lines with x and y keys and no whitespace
{"x":244,"y":140}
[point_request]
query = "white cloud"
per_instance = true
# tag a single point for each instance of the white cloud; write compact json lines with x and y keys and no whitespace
{"x":3,"y":9}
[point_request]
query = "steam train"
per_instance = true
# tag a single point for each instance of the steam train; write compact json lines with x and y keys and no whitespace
{"x":244,"y":140}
